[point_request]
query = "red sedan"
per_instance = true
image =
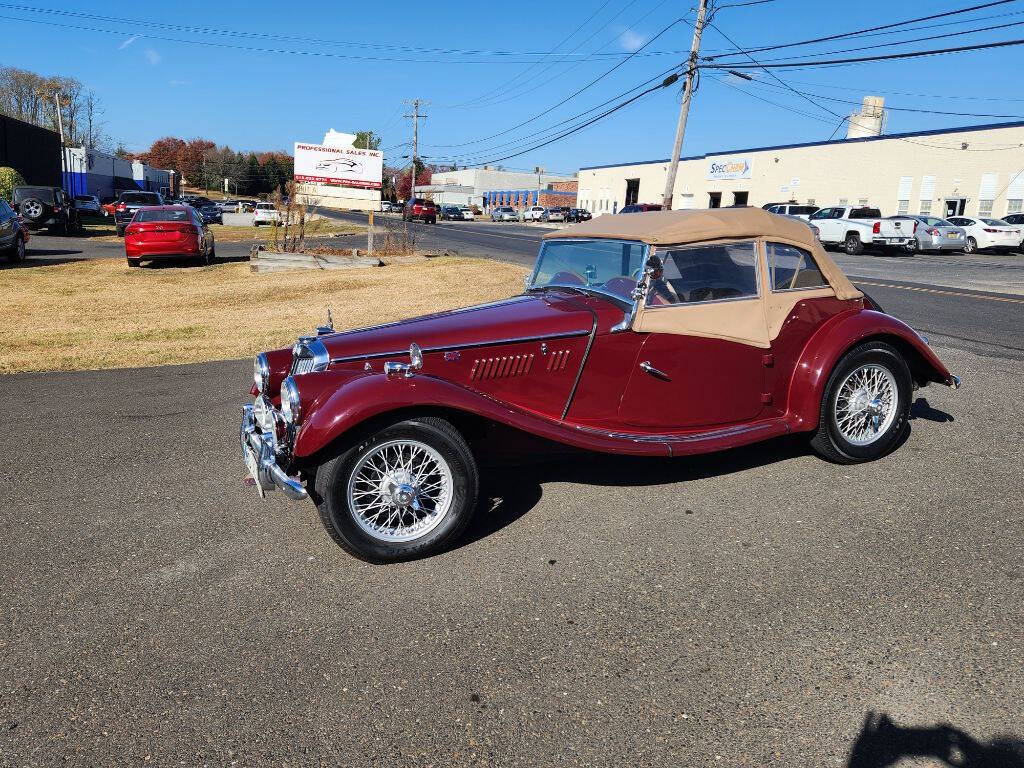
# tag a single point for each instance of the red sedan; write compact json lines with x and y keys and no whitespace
{"x":161,"y":231}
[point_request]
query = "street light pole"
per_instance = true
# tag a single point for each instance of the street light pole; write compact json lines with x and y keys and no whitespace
{"x":684,"y":109}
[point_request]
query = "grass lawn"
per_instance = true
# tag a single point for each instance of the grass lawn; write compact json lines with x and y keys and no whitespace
{"x":101,"y":313}
{"x":103,"y":231}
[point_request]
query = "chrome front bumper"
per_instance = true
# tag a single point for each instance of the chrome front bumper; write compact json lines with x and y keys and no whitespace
{"x":259,"y":451}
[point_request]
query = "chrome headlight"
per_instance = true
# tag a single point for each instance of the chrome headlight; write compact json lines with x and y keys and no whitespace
{"x":261,"y":372}
{"x":291,"y":407}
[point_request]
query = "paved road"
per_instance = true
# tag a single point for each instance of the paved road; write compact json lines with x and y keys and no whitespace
{"x":1001,"y":273}
{"x":744,"y":609}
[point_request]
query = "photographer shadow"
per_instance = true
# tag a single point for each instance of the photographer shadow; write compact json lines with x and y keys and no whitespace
{"x":881,"y":743}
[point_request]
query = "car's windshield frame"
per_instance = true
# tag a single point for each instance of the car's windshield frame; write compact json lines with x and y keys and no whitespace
{"x":617,"y":298}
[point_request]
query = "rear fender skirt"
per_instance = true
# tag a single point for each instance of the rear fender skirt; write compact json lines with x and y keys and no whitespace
{"x":830,"y":342}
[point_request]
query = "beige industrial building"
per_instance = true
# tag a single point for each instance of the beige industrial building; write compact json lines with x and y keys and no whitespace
{"x":975,"y":170}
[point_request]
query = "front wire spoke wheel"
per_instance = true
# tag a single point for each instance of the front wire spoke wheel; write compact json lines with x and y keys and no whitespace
{"x":400,"y":490}
{"x":865,"y":404}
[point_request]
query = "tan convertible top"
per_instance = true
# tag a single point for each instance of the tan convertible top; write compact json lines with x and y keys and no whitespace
{"x":663,"y":228}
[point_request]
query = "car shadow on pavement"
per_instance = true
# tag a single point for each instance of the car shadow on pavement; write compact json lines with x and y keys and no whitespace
{"x":921,"y":409}
{"x":510,"y":490}
{"x":881,"y":743}
{"x":42,"y":258}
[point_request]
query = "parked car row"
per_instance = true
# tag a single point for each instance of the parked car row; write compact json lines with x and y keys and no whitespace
{"x":855,"y":228}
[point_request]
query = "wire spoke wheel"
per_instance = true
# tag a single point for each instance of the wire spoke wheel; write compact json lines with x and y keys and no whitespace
{"x":865,"y":404}
{"x":400,"y":490}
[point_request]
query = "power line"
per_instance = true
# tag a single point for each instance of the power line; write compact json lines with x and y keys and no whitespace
{"x":861,"y":59}
{"x":544,"y":132}
{"x":911,"y":109}
{"x":568,"y":98}
{"x":559,"y":45}
{"x":870,"y":29}
{"x":278,"y":51}
{"x":541,"y":84}
{"x":775,"y":77}
{"x":668,"y":81}
{"x":957,"y":33}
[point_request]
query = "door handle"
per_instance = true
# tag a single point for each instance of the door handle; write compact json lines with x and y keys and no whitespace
{"x":646,"y":367}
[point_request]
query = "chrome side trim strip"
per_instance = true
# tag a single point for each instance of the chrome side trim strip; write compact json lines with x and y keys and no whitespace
{"x":468,"y":345}
{"x":689,"y":438}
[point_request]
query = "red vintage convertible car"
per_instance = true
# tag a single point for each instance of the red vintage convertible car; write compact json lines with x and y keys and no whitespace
{"x":660,"y":334}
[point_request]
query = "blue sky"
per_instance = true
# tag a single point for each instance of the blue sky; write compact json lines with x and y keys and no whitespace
{"x":260,"y":92}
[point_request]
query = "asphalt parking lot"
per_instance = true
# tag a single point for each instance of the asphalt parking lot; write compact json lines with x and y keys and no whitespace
{"x":756,"y":607}
{"x":748,"y":608}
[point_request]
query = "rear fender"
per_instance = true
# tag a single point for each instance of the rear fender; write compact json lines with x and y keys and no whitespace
{"x":834,"y":339}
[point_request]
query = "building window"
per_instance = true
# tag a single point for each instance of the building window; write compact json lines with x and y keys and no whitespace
{"x":984,"y":207}
{"x":926,"y":207}
{"x":862,"y":202}
{"x":714,"y":199}
{"x":810,"y":201}
{"x":842,"y":201}
{"x":902,"y":207}
{"x":1014,"y":206}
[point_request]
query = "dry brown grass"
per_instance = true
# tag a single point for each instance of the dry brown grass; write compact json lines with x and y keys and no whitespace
{"x":103,"y":314}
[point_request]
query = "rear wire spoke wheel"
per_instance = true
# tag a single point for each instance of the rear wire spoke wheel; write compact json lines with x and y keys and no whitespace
{"x":865,"y":406}
{"x":404,"y":492}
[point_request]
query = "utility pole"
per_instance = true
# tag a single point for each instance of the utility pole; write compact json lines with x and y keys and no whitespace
{"x":415,"y":117}
{"x":684,"y":109}
{"x":63,"y":152}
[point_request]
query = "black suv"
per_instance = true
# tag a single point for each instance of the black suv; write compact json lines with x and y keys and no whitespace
{"x":578,"y":214}
{"x":46,"y":207}
{"x":128,"y":203}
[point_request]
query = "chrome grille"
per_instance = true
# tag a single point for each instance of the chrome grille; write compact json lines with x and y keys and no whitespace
{"x":301,"y":365}
{"x":309,"y":354}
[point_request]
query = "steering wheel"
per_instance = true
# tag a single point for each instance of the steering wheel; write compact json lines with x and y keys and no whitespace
{"x":568,"y":277}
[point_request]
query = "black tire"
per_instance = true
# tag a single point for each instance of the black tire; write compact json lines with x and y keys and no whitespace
{"x":828,"y":441}
{"x":913,"y":247}
{"x":853,"y":245}
{"x":331,"y":492}
{"x":17,"y":252}
{"x":971,"y":246}
{"x":134,"y":262}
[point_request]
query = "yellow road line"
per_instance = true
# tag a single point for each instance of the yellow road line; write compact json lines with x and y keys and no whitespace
{"x":940,"y":292}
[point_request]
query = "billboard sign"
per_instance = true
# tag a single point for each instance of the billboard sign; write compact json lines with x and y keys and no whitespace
{"x":345,"y":166}
{"x":729,"y":169}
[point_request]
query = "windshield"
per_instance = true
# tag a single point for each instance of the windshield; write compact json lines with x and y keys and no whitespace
{"x":601,"y":266}
{"x":139,"y":197}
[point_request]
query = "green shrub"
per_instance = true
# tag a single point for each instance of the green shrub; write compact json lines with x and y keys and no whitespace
{"x":9,"y":179}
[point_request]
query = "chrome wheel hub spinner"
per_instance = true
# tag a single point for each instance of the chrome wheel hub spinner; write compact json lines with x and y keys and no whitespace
{"x":400,"y":490}
{"x":865,"y":404}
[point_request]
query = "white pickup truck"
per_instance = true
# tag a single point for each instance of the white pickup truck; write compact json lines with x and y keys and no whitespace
{"x":854,"y":228}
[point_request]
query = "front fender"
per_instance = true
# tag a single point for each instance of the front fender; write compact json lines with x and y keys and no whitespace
{"x":342,"y":404}
{"x":834,"y":339}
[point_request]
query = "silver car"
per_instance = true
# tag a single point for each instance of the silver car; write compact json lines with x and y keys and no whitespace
{"x":933,"y":234}
{"x":504,"y":213}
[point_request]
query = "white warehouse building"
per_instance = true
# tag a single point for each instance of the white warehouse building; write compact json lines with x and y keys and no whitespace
{"x":471,"y":185}
{"x":976,"y":171}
